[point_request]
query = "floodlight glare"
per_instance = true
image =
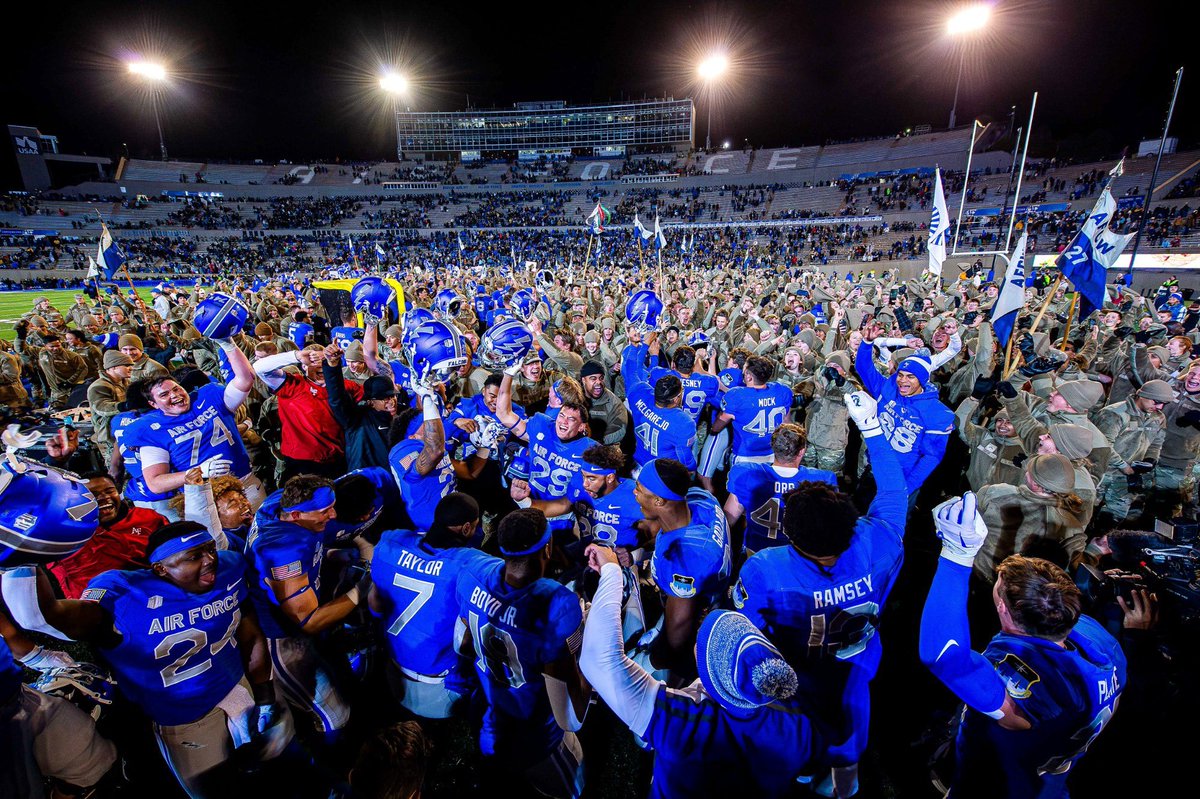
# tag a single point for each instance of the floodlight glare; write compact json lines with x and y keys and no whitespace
{"x":713,"y":66}
{"x":969,"y":19}
{"x":393,"y":83}
{"x":148,"y":70}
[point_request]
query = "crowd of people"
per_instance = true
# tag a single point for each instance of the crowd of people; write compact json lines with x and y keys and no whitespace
{"x":555,"y":510}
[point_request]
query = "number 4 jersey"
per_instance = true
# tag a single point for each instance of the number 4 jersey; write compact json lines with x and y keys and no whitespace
{"x":178,"y":655}
{"x":760,"y":489}
{"x":207,"y":430}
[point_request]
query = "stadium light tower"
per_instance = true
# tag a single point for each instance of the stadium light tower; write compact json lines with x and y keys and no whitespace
{"x":395,"y":85}
{"x":966,"y":21}
{"x":711,"y":69}
{"x":154,"y":75}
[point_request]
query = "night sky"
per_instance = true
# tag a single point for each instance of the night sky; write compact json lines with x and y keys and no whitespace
{"x":283,"y":80}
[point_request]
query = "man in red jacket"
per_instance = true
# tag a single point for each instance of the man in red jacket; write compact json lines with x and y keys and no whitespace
{"x":119,"y":542}
{"x":312,"y":440}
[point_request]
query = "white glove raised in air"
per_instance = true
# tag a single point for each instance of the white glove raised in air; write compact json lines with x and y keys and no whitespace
{"x":216,"y":466}
{"x":487,"y":435}
{"x":862,"y":408}
{"x":44,"y":659}
{"x":961,"y":528}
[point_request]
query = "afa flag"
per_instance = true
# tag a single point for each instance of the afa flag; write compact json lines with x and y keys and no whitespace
{"x":642,"y":231}
{"x":599,"y":217}
{"x":939,"y":228}
{"x":458,"y":235}
{"x":660,"y":240}
{"x":93,"y":270}
{"x":109,"y":256}
{"x":1087,"y":258}
{"x":1011,"y":299}
{"x":380,"y":254}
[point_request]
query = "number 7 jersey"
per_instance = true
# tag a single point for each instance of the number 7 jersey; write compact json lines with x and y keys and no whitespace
{"x":207,"y":430}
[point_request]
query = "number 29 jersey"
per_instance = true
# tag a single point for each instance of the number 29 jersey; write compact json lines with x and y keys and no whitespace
{"x":178,"y":652}
{"x":207,"y":430}
{"x":552,"y":461}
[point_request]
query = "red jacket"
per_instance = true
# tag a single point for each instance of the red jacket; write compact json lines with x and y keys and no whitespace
{"x":309,"y":430}
{"x":119,"y":546}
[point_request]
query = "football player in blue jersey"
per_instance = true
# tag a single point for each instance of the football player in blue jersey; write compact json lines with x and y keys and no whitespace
{"x":187,"y":649}
{"x":420,"y":463}
{"x":1046,"y":685}
{"x":368,"y":502}
{"x":915,"y":422}
{"x":754,"y":410}
{"x":474,"y":419}
{"x":692,"y":560}
{"x":739,"y":730}
{"x":556,"y":446}
{"x":523,"y":632}
{"x":133,"y":408}
{"x":700,"y":389}
{"x":819,"y":599}
{"x":661,"y":427}
{"x":757,"y":490}
{"x":414,"y":577}
{"x":197,"y":429}
{"x":347,"y":333}
{"x":285,"y":549}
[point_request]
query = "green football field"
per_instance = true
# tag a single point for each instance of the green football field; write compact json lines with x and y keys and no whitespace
{"x":13,"y":304}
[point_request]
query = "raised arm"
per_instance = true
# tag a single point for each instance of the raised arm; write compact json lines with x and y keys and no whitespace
{"x":504,"y":410}
{"x":271,"y":368}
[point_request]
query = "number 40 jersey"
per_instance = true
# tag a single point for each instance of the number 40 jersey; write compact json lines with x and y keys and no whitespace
{"x":756,"y":413}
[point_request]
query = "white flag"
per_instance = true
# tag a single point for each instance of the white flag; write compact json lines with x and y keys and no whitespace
{"x":939,"y":228}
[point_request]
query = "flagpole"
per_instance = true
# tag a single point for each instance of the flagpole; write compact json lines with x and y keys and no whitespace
{"x":1070,"y":313}
{"x":1012,"y":219}
{"x":962,"y":200}
{"x":1162,"y":143}
{"x":588,"y":254}
{"x":1036,"y":321}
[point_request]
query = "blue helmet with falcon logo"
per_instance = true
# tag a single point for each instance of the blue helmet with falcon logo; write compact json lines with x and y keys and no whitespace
{"x":447,"y":305}
{"x":371,"y":296}
{"x":643,"y":311}
{"x":220,"y":316}
{"x":435,"y":351}
{"x":45,"y":514}
{"x":523,"y":304}
{"x":411,"y":321}
{"x":505,"y":345}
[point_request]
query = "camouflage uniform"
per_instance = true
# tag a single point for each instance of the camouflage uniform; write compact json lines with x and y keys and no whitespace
{"x":1136,"y":435}
{"x":64,"y":372}
{"x":104,"y":395}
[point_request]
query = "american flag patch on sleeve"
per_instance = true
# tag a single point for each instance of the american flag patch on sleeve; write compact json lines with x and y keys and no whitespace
{"x":92,"y":594}
{"x":287,"y":572}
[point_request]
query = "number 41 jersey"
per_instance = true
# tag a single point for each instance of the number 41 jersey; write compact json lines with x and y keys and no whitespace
{"x":178,"y":656}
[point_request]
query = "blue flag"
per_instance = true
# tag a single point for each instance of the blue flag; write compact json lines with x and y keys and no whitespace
{"x":1011,"y":299}
{"x":660,"y":240}
{"x":109,"y":257}
{"x":1087,"y":258}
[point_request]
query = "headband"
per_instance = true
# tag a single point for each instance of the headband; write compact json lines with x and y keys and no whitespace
{"x":649,"y":478}
{"x":600,"y":471}
{"x":536,"y":547}
{"x":321,"y":499}
{"x":194,"y":538}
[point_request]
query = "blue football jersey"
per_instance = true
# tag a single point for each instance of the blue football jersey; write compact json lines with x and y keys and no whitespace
{"x":516,"y":632}
{"x":135,"y":489}
{"x":760,"y":489}
{"x":730,"y":377}
{"x":813,"y":612}
{"x":756,"y":413}
{"x":178,"y":653}
{"x":1069,"y":694}
{"x":421,"y":493}
{"x":695,"y":561}
{"x":207,"y":430}
{"x":612,"y":518}
{"x":699,"y":390}
{"x":385,"y":510}
{"x":475,"y":409}
{"x":701,"y":749}
{"x":301,"y":334}
{"x":659,"y":432}
{"x":420,"y":582}
{"x":552,"y":461}
{"x":345,"y":336}
{"x":278,"y":550}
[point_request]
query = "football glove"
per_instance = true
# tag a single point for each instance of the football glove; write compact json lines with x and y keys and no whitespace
{"x":862,"y":409}
{"x":961,"y":528}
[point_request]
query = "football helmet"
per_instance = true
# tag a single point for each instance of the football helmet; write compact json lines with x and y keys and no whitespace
{"x":45,"y":514}
{"x":220,"y":316}
{"x":505,"y":345}
{"x":544,"y":279}
{"x":88,"y":687}
{"x":643,"y":311}
{"x":371,"y":296}
{"x":107,"y":341}
{"x":697,"y":340}
{"x":447,"y":305}
{"x":435,"y":351}
{"x":413,"y":320}
{"x":523,"y":304}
